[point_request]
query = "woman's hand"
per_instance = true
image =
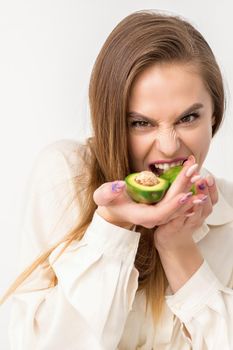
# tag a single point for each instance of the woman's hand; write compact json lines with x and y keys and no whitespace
{"x":177,"y":233}
{"x":115,"y":206}
{"x":178,"y":252}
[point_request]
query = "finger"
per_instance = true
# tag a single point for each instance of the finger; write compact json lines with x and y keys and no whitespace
{"x":194,"y":219}
{"x":203,"y":194}
{"x":185,"y":205}
{"x":162,"y":212}
{"x":208,"y":185}
{"x":185,"y":178}
{"x":105,"y":194}
{"x":202,"y":204}
{"x":212,"y":188}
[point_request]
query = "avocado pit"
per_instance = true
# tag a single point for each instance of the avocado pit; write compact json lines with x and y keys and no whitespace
{"x":146,"y":178}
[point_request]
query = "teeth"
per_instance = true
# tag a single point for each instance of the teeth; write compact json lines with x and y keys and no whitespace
{"x":166,"y":166}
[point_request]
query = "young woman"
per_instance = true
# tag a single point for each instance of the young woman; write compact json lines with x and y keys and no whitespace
{"x":111,"y":273}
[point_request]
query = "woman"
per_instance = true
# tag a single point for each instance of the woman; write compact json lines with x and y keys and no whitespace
{"x":113,"y":273}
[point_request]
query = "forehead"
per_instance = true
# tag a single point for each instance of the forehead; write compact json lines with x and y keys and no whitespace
{"x":168,"y":86}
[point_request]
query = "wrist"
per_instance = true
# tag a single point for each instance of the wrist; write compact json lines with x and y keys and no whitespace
{"x":181,"y":254}
{"x":101,"y":211}
{"x":175,"y":249}
{"x":180,"y":264}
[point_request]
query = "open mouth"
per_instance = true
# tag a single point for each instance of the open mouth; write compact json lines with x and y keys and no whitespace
{"x":159,"y":168}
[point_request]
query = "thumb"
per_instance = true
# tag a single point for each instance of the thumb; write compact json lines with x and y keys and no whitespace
{"x":107,"y":192}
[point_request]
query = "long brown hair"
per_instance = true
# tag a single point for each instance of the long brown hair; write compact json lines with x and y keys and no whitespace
{"x":139,"y":40}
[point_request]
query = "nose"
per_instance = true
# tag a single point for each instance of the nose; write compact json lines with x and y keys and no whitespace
{"x":167,"y":142}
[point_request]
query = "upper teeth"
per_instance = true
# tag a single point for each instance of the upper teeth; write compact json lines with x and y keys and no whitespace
{"x":166,"y":166}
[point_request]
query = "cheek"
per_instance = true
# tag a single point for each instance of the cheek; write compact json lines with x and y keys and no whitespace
{"x":199,"y":141}
{"x":135,"y":148}
{"x":138,"y":147}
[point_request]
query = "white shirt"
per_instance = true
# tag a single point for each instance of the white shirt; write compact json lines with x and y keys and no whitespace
{"x":95,"y":304}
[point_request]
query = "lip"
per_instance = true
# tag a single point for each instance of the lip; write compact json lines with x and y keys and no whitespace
{"x":161,"y":161}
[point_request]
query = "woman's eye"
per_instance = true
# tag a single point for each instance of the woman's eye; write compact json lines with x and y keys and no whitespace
{"x":189,"y":118}
{"x":139,"y":124}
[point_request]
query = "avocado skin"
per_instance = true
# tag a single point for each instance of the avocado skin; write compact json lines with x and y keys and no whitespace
{"x":171,"y":174}
{"x":145,"y":194}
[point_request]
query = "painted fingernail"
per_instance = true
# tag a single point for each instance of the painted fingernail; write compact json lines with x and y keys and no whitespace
{"x":190,"y":214}
{"x":195,"y":178}
{"x":204,"y":198}
{"x":201,"y":186}
{"x":191,"y":170}
{"x":209,"y":180}
{"x":117,"y":186}
{"x":185,"y":197}
{"x":190,"y":159}
{"x":199,"y":201}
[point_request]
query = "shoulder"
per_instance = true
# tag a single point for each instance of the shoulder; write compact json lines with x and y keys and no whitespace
{"x":56,"y":162}
{"x":50,"y":206}
{"x":70,"y":150}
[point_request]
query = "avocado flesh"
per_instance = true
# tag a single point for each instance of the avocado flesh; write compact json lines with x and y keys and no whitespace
{"x":145,"y":194}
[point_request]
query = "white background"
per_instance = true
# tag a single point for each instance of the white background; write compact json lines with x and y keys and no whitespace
{"x":47,"y":49}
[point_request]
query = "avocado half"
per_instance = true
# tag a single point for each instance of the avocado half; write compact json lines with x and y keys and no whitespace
{"x":152,"y":194}
{"x":145,"y":194}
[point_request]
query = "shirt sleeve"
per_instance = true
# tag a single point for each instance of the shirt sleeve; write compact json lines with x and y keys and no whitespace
{"x":205,"y":307}
{"x":97,"y":280}
{"x":50,"y":208}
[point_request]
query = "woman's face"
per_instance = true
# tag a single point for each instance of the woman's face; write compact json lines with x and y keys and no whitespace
{"x":170,"y":116}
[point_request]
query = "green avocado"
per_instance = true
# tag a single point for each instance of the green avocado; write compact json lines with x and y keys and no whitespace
{"x":152,"y":194}
{"x":171,"y":174}
{"x":145,"y":194}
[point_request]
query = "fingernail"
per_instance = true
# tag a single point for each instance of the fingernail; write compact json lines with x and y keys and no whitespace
{"x":209,"y":180}
{"x":191,"y":170}
{"x":117,"y":186}
{"x":199,"y":201}
{"x":185,"y":197}
{"x":190,"y":159}
{"x":201,"y":186}
{"x":190,"y":214}
{"x":195,"y":178}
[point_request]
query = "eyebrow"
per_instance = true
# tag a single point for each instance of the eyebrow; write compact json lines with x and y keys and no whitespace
{"x":189,"y":110}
